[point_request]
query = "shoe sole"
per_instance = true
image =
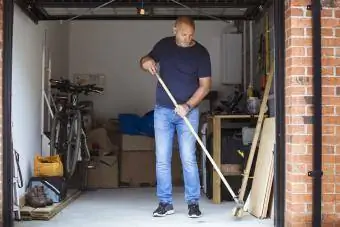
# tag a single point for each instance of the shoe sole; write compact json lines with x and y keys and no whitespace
{"x":194,"y":216}
{"x":163,"y":215}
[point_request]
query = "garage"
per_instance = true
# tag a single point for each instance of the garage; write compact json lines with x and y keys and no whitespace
{"x":102,"y":43}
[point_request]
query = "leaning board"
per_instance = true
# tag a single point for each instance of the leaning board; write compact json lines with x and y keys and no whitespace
{"x":46,"y":213}
{"x":263,"y":175}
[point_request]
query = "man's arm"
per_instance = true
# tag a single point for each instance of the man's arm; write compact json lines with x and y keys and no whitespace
{"x":154,"y":55}
{"x":201,"y":92}
{"x":204,"y":76}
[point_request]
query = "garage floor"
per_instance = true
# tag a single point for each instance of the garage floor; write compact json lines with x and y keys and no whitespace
{"x":133,"y":207}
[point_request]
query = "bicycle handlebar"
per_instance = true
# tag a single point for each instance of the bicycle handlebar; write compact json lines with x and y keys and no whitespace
{"x":66,"y":86}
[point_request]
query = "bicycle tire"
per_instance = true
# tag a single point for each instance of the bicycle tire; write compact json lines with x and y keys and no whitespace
{"x":86,"y":156}
{"x":84,"y":148}
{"x":58,"y":135}
{"x":72,"y":153}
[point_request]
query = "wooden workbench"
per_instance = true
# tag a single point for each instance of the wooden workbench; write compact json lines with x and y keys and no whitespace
{"x":214,"y":126}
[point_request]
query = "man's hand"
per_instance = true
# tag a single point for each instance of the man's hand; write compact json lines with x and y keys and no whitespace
{"x":149,"y":64}
{"x":182,"y":110}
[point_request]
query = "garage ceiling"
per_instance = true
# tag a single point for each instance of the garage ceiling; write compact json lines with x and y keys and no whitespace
{"x":141,"y":9}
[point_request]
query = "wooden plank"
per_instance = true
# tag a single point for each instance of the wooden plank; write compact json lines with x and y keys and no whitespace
{"x":246,"y":204}
{"x":263,"y":174}
{"x":230,"y":116}
{"x":257,"y":133}
{"x":268,"y":191}
{"x":46,"y":213}
{"x":271,"y":206}
{"x":25,"y":213}
{"x":217,"y":158}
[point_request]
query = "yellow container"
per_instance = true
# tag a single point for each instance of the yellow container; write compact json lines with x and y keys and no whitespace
{"x":48,"y":166}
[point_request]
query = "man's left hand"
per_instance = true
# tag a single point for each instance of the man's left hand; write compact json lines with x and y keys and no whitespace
{"x":182,"y":110}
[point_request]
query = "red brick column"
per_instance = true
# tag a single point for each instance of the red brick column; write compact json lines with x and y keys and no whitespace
{"x":299,"y":110}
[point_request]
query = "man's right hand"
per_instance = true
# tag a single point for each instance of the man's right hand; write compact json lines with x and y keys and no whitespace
{"x":149,"y":64}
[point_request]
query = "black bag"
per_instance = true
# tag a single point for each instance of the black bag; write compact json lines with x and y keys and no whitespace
{"x":55,"y":187}
{"x":230,"y":143}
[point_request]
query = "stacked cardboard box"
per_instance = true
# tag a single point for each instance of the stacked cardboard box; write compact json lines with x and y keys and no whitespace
{"x":104,"y":158}
{"x":135,"y":157}
{"x":138,"y":162}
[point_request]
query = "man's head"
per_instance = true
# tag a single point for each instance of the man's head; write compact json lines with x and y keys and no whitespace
{"x":184,"y":30}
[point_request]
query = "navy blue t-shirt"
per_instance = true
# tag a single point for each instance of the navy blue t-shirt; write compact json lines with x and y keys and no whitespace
{"x":180,"y":69}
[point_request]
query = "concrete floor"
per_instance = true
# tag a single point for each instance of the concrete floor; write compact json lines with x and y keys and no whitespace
{"x":133,"y":207}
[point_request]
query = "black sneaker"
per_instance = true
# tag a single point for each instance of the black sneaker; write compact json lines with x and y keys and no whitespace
{"x":163,"y":209}
{"x":194,"y":211}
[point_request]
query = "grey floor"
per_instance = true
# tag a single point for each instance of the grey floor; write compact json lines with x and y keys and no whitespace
{"x":133,"y":207}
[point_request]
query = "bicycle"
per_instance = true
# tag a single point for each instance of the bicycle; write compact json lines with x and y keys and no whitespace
{"x":68,"y":138}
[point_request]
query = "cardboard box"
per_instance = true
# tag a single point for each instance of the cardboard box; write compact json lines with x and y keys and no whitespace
{"x":113,"y":132}
{"x":138,"y":168}
{"x":98,"y":139}
{"x":137,"y":143}
{"x":105,"y":174}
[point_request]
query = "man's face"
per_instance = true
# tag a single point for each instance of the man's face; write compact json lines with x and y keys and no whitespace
{"x":184,"y":35}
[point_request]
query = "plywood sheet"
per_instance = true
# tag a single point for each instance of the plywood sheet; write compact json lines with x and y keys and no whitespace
{"x":263,"y":175}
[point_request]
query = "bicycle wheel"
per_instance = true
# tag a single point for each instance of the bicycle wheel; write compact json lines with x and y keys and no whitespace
{"x":73,"y":143}
{"x":58,"y":135}
{"x":86,"y":156}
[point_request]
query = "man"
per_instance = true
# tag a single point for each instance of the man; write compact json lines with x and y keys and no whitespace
{"x":186,"y":70}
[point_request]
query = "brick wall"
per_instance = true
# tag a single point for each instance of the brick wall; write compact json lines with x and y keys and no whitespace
{"x":1,"y":43}
{"x":299,"y":109}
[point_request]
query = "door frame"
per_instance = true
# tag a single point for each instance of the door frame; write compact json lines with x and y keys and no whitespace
{"x":7,"y":155}
{"x":279,"y":175}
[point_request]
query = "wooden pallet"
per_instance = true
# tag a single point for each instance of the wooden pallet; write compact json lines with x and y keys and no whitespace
{"x":46,"y":213}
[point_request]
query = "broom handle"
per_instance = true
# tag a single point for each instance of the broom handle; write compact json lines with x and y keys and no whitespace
{"x":198,"y":139}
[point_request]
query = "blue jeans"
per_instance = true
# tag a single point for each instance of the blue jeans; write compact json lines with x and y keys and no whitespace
{"x":166,"y":121}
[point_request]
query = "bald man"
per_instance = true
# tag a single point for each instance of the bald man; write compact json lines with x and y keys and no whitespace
{"x":184,"y":65}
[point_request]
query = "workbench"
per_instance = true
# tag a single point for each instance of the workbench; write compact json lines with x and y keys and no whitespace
{"x":215,"y":124}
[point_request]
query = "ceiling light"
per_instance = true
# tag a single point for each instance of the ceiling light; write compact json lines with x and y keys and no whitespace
{"x":141,"y":11}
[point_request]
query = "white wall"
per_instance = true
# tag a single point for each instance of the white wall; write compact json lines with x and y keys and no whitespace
{"x":115,"y":47}
{"x":91,"y":47}
{"x":26,"y":86}
{"x":58,"y":41}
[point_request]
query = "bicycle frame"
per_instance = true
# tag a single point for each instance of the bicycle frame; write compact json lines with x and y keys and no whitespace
{"x":73,"y":98}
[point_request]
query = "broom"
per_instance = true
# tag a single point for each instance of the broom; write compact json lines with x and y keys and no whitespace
{"x":239,"y":203}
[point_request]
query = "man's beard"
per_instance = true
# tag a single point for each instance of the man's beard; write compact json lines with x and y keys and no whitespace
{"x":184,"y":44}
